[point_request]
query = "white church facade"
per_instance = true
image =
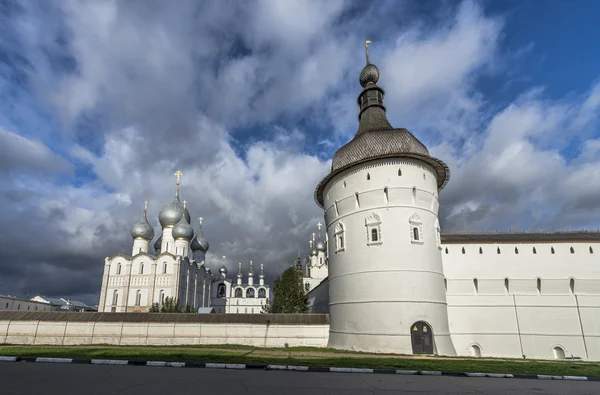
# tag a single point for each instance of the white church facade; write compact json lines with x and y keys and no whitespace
{"x":394,"y":283}
{"x":176,"y":269}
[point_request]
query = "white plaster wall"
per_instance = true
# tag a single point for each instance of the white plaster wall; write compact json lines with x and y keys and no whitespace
{"x":378,"y":291}
{"x":119,"y":333}
{"x":506,"y":315}
{"x":318,"y":298}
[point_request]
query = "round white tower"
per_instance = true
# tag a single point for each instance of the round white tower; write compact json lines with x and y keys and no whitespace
{"x":386,"y":284}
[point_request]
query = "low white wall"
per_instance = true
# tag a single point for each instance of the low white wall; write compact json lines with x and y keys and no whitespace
{"x":41,"y":332}
{"x":318,"y":298}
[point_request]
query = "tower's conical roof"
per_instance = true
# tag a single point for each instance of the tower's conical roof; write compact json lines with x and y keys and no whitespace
{"x":376,"y":138}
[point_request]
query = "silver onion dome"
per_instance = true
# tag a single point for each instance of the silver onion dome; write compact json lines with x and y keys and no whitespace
{"x":199,"y":243}
{"x":170,"y":214}
{"x":223,"y":270}
{"x":313,"y":253}
{"x":142,"y":229}
{"x":183,"y":230}
{"x":370,"y":73}
{"x":158,"y":244}
{"x":321,"y":246}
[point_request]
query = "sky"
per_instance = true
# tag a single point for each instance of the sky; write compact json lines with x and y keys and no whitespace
{"x":102,"y":101}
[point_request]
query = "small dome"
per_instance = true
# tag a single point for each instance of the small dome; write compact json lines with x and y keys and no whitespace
{"x":313,"y":253}
{"x":223,"y":270}
{"x":142,"y":229}
{"x":199,"y":243}
{"x":158,"y":244}
{"x":369,"y":74}
{"x":170,"y":214}
{"x":321,"y":246}
{"x":183,"y":230}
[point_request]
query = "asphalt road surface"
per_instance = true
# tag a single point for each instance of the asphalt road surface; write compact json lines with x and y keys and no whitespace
{"x":20,"y":378}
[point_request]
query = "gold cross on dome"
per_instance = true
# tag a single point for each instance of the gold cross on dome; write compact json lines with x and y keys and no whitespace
{"x":319,"y":225}
{"x":367,"y":49}
{"x":178,"y":175}
{"x":145,"y":206}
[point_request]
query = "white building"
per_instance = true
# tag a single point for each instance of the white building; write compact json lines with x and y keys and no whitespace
{"x":317,"y":263}
{"x":20,"y":304}
{"x":395,"y":284}
{"x":177,"y":269}
{"x":240,"y":297}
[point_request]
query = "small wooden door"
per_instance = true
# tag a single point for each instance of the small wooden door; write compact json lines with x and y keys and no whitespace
{"x":422,"y":338}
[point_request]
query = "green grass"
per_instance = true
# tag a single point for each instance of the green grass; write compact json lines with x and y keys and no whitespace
{"x":244,"y":355}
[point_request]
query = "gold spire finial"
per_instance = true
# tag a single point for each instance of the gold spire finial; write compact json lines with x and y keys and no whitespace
{"x":178,"y":175}
{"x":367,"y":50}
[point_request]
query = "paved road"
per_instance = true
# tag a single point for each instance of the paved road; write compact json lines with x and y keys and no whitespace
{"x":20,"y":378}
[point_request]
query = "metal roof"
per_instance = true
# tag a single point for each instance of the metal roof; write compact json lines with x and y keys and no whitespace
{"x":505,"y":237}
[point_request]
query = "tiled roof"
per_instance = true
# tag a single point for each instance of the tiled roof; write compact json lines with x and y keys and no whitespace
{"x":499,"y":237}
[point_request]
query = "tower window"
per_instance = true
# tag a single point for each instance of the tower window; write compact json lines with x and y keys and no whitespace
{"x":374,"y":235}
{"x":387,"y":197}
{"x":534,"y":250}
{"x":572,"y":250}
{"x":141,"y":268}
{"x":250,"y":293}
{"x":368,"y":176}
{"x":552,"y":250}
{"x":357,"y":200}
{"x":165,"y":268}
{"x":591,"y":250}
{"x":339,"y":237}
{"x":115,"y":297}
{"x":463,"y":251}
{"x":344,"y":184}
{"x":373,"y":224}
{"x":506,"y":286}
{"x":498,"y":250}
{"x":476,"y":286}
{"x":138,"y":297}
{"x":119,"y":268}
{"x":538,"y":284}
{"x":399,"y":172}
{"x":446,"y":284}
{"x":446,"y":250}
{"x":516,"y":250}
{"x":480,"y":250}
{"x":416,"y":229}
{"x":238,"y":293}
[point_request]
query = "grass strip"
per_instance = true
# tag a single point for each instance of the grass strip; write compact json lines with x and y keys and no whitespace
{"x":474,"y":365}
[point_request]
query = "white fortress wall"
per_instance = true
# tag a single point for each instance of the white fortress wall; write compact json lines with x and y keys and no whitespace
{"x":258,"y":330}
{"x":537,"y":299}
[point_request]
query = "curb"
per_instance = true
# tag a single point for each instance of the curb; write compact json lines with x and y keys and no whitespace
{"x":241,"y":366}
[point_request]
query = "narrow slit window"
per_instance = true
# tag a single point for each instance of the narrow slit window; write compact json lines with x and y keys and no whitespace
{"x":399,"y":172}
{"x":374,"y":235}
{"x":539,"y":285}
{"x":446,"y":250}
{"x":572,"y":250}
{"x":516,"y":250}
{"x":572,"y":285}
{"x":368,"y":176}
{"x":498,"y":250}
{"x":591,"y":250}
{"x":506,"y":285}
{"x":463,"y":250}
{"x":552,"y":250}
{"x":480,"y":250}
{"x":416,"y":233}
{"x":476,"y":286}
{"x":534,"y":250}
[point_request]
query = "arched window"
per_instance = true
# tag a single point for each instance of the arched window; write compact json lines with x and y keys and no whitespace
{"x":138,"y":297}
{"x":534,"y":250}
{"x":475,"y":351}
{"x":339,"y":237}
{"x":559,"y":352}
{"x":399,"y":172}
{"x":480,"y":250}
{"x":161,"y":296}
{"x":250,"y":293}
{"x":572,"y":250}
{"x":115,"y":297}
{"x":507,"y":286}
{"x":591,"y":250}
{"x":238,"y":293}
{"x":368,"y":176}
{"x":498,"y":250}
{"x":416,"y":233}
{"x":221,"y":291}
{"x":119,"y":268}
{"x":516,"y":250}
{"x":463,"y":250}
{"x":141,"y":268}
{"x":476,"y":286}
{"x":572,"y":285}
{"x":552,"y":250}
{"x":165,"y":268}
{"x":538,"y":284}
{"x":374,"y":236}
{"x":262,"y":293}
